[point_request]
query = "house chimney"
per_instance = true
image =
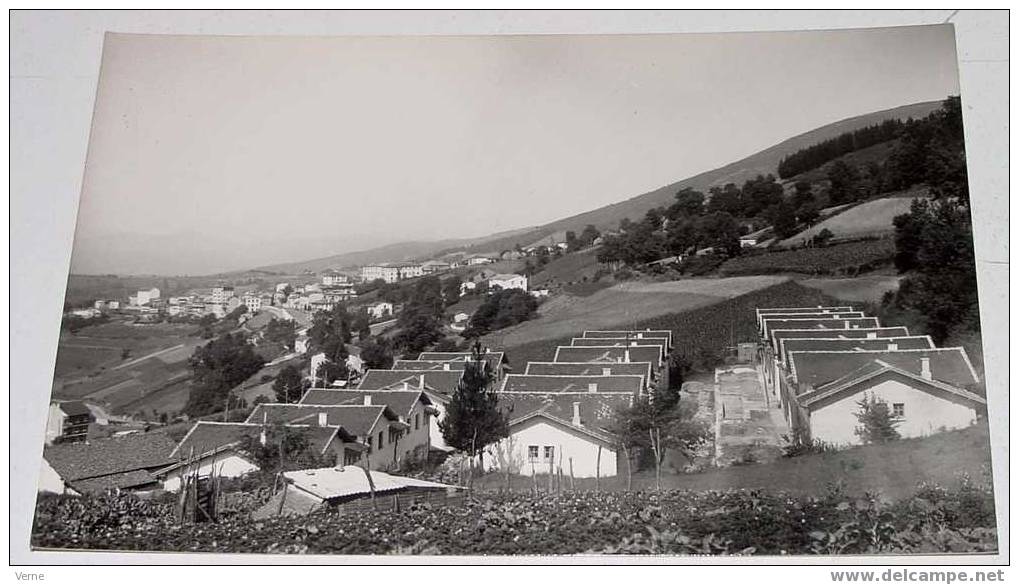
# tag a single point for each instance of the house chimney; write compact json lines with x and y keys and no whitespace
{"x":925,"y":368}
{"x":576,"y":414}
{"x":640,"y":336}
{"x":445,"y":367}
{"x":323,"y":419}
{"x":893,"y":347}
{"x":626,"y":356}
{"x":847,"y":324}
{"x":606,"y":371}
{"x":872,"y":335}
{"x":592,"y":387}
{"x":421,"y":382}
{"x":406,"y":386}
{"x":367,"y":399}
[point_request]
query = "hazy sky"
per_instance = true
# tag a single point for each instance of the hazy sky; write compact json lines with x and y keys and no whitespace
{"x":217,"y":153}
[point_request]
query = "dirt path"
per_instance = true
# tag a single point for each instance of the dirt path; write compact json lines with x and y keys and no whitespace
{"x":147,"y":356}
{"x":749,"y":427}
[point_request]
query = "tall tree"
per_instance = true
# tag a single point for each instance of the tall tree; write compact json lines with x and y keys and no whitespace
{"x":217,"y":367}
{"x":473,"y":419}
{"x":288,"y":385}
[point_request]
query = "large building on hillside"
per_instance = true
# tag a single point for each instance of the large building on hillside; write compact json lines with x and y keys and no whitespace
{"x":391,"y":273}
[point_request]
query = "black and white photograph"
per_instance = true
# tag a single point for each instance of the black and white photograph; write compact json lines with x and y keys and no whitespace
{"x":672,"y":295}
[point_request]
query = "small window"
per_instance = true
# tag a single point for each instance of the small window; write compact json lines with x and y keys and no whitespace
{"x":899,"y":409}
{"x":549,"y":452}
{"x":417,"y":421}
{"x":380,"y":439}
{"x":532,"y":452}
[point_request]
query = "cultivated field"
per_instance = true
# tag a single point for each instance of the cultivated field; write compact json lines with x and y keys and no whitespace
{"x":92,"y":364}
{"x":846,"y":258}
{"x":869,"y":288}
{"x":568,"y":268}
{"x":624,"y":304}
{"x":873,"y":218}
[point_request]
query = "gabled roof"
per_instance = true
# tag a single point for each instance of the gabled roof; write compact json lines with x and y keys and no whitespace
{"x":642,"y":369}
{"x":638,"y":333}
{"x":860,"y":333}
{"x":359,"y":421}
{"x":401,"y":402}
{"x":819,"y":309}
{"x":138,"y":478}
{"x":860,"y":344}
{"x":207,"y":437}
{"x":439,"y":381}
{"x":572,"y":384}
{"x":597,"y":410}
{"x":839,"y":315}
{"x":640,"y":353}
{"x":75,"y":408}
{"x":494,"y":358}
{"x":662,"y":342}
{"x":423,"y":365}
{"x":877,"y":371}
{"x":770,"y":325}
{"x":115,"y":455}
{"x":950,"y":365}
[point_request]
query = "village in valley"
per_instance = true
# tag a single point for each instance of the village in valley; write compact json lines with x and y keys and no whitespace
{"x":741,"y":369}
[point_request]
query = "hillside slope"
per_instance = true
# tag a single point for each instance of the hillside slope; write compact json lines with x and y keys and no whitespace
{"x":763,"y":162}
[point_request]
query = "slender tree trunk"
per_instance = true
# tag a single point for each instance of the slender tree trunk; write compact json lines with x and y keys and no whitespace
{"x":371,"y":483}
{"x":629,"y":469}
{"x":572,"y":488}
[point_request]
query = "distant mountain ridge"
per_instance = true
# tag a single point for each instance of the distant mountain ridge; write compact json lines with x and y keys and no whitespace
{"x":608,"y":217}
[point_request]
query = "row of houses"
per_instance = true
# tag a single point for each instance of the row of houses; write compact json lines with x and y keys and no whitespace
{"x":561,"y":412}
{"x":820,"y":361}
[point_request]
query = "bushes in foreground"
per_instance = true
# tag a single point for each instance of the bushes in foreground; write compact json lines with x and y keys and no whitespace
{"x":934,"y":520}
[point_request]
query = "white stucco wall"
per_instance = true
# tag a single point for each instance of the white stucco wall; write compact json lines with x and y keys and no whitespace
{"x":50,"y":481}
{"x":513,"y":451}
{"x":925,"y":414}
{"x":435,"y":435}
{"x":227,"y":465}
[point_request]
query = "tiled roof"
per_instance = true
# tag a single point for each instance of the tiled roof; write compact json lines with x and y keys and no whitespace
{"x":356,"y":420}
{"x":839,"y":315}
{"x":74,"y":461}
{"x":127,"y":480}
{"x":422,"y":365}
{"x":825,"y":344}
{"x":640,"y":353}
{"x":950,"y":365}
{"x":620,"y":342}
{"x":75,"y":408}
{"x":877,"y":371}
{"x":573,"y":384}
{"x":206,"y":436}
{"x":861,"y":333}
{"x":771,"y":310}
{"x":770,"y":325}
{"x":401,"y":402}
{"x":589,"y":369}
{"x":597,"y":410}
{"x":443,"y":382}
{"x":494,"y":358}
{"x":631,"y":332}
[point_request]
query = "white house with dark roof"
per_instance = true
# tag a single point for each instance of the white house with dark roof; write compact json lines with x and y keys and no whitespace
{"x":508,"y":281}
{"x":553,"y":432}
{"x":376,"y":426}
{"x":928,"y":389}
{"x":218,"y":447}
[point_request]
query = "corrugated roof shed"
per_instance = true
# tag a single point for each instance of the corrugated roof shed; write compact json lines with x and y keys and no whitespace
{"x":330,"y":483}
